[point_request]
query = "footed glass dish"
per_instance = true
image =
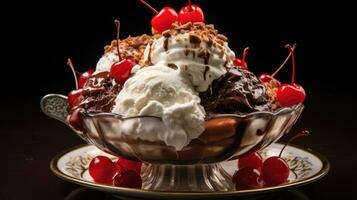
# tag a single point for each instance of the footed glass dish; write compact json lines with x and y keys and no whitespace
{"x":197,"y":166}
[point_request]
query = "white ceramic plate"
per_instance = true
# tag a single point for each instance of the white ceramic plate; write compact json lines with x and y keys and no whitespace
{"x":306,"y":166}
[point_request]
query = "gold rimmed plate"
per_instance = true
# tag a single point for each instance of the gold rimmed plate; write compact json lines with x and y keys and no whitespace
{"x":306,"y":166}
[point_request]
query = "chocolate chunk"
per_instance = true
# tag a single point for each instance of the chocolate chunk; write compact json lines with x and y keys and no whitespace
{"x":194,"y":39}
{"x":172,"y":66}
{"x":166,"y":33}
{"x":205,"y":55}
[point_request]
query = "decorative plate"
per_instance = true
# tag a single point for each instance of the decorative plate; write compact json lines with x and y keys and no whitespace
{"x":306,"y":166}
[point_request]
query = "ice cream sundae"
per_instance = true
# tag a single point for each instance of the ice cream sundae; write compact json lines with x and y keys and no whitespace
{"x":185,"y":75}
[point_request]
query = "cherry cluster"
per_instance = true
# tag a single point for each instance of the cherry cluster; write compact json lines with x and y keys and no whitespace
{"x":254,"y":172}
{"x":167,"y":16}
{"x":122,"y":173}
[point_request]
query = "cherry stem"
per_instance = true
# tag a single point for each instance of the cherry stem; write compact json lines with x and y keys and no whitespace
{"x":189,"y":5}
{"x":285,"y":61}
{"x":245,"y":52}
{"x":291,"y":49}
{"x":150,"y":7}
{"x":117,"y":23}
{"x":70,"y":65}
{"x":299,"y":134}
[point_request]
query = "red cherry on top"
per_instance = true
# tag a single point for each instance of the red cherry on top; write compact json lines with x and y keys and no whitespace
{"x":275,"y":171}
{"x":290,"y":94}
{"x":241,"y":62}
{"x":128,"y":165}
{"x":247,"y":178}
{"x":128,"y":179}
{"x":102,"y":169}
{"x":253,"y":160}
{"x":191,"y":13}
{"x":121,"y":70}
{"x":163,"y":19}
{"x":84,"y":77}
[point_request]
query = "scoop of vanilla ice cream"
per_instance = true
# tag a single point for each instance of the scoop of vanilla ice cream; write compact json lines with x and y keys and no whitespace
{"x":160,"y":91}
{"x":106,"y":61}
{"x":202,"y":62}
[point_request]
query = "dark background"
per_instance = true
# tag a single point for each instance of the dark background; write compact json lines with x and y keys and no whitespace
{"x":39,"y":37}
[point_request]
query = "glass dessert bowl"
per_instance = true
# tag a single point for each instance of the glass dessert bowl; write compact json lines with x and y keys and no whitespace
{"x":194,"y":168}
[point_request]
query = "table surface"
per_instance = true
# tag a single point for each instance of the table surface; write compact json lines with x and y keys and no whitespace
{"x":30,"y":140}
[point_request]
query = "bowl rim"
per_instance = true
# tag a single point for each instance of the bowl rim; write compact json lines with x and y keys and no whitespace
{"x":245,"y":115}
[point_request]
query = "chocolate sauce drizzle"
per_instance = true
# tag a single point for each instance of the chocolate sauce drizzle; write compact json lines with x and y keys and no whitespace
{"x":149,"y":56}
{"x":99,"y":93}
{"x":205,"y":72}
{"x":172,"y":66}
{"x":166,"y":44}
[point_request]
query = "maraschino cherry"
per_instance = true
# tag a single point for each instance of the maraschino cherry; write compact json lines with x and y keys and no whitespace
{"x":74,"y":119}
{"x":128,"y":164}
{"x":73,"y":97}
{"x":84,"y":77}
{"x":266,"y":78}
{"x":191,"y":13}
{"x":241,"y":62}
{"x":275,"y":170}
{"x":247,"y":178}
{"x":102,"y":170}
{"x":253,"y":160}
{"x":163,"y":19}
{"x":127,"y":178}
{"x":121,"y":69}
{"x":290,"y":94}
{"x":253,"y":173}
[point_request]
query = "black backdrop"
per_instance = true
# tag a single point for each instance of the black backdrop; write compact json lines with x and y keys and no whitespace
{"x":39,"y":37}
